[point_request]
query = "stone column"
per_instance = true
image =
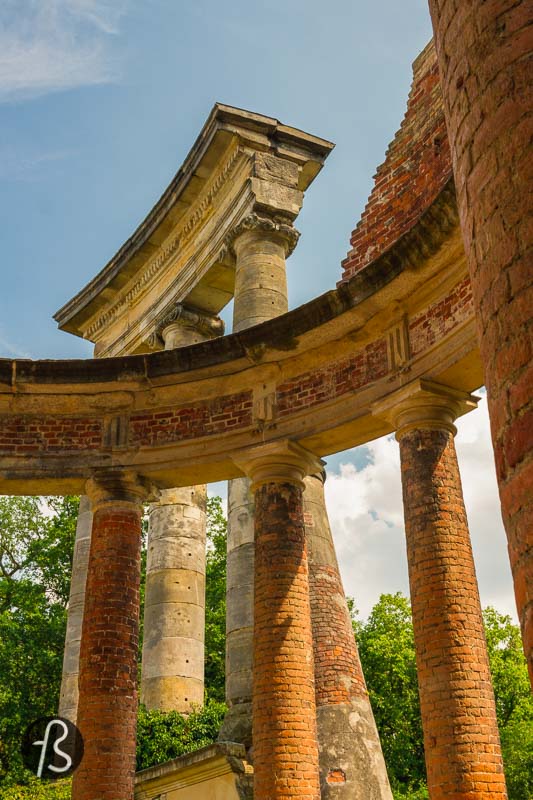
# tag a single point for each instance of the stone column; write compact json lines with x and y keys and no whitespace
{"x":68,"y":697}
{"x":284,"y":710}
{"x":107,"y":708}
{"x":261,"y":246}
{"x":483,"y":51}
{"x":172,"y":674}
{"x":461,"y":740}
{"x":351,"y":759}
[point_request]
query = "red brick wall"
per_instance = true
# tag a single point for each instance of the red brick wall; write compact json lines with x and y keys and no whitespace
{"x":432,"y":324}
{"x":38,"y":434}
{"x":461,"y":741}
{"x":416,"y":167}
{"x":201,"y":419}
{"x":483,"y":50}
{"x":107,"y":711}
{"x":342,"y":376}
{"x":284,"y":711}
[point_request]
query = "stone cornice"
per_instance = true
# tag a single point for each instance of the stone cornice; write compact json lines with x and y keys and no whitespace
{"x":188,"y":201}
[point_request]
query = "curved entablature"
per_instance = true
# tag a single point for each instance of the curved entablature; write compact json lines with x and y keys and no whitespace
{"x":313,"y":375}
{"x":244,"y":169}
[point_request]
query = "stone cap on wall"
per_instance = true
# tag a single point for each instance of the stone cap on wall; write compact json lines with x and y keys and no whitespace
{"x":219,"y":771}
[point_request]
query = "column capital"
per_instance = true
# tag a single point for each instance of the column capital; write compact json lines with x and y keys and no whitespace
{"x":183,"y":325}
{"x":262,"y":225}
{"x":425,"y":404}
{"x":281,"y":461}
{"x":119,"y":487}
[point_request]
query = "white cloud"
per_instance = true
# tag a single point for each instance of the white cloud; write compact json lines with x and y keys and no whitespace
{"x":11,"y":350}
{"x":49,"y":45}
{"x":366,"y":515}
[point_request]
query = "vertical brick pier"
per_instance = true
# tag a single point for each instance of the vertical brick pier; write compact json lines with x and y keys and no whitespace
{"x":351,"y":760}
{"x":461,"y":740}
{"x":284,"y":709}
{"x":107,"y":706}
{"x":483,"y":50}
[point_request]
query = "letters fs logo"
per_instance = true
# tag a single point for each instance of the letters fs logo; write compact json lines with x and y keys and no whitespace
{"x":52,"y":748}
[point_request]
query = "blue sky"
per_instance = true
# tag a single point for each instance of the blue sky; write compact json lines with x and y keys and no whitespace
{"x":100,"y":101}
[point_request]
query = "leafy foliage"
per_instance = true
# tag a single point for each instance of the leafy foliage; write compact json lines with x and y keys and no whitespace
{"x":35,"y":564}
{"x":514,"y":703}
{"x":215,"y":601}
{"x":39,"y":790}
{"x":386,"y":647}
{"x":162,"y":736}
{"x":387,"y":651}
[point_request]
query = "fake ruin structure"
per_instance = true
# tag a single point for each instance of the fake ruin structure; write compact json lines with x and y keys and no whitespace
{"x":433,"y":302}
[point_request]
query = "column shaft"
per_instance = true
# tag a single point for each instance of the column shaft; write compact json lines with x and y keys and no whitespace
{"x":284,"y":712}
{"x":68,"y":697}
{"x":483,"y":51}
{"x":461,"y":740}
{"x":107,"y":711}
{"x":172,"y":675}
{"x":174,"y":607}
{"x":260,"y":295}
{"x":351,"y":760}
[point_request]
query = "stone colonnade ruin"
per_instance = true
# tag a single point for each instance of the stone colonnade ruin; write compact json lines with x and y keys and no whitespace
{"x":435,"y":286}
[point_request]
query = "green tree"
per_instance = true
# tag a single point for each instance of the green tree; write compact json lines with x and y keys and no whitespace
{"x":36,"y":542}
{"x":215,"y":601}
{"x":514,"y":703}
{"x":386,"y":648}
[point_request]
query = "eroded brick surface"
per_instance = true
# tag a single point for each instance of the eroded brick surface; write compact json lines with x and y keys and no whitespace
{"x":416,"y":167}
{"x":461,"y":740}
{"x":107,"y":710}
{"x":483,"y":51}
{"x":284,"y":711}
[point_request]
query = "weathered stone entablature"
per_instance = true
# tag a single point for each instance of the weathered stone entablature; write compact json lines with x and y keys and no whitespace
{"x":312,"y":375}
{"x":245,"y":171}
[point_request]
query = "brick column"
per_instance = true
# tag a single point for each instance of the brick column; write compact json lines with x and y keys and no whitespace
{"x":172,"y":675}
{"x":351,"y":760}
{"x":461,"y":740}
{"x":260,"y":246}
{"x":284,"y":711}
{"x":107,"y":708}
{"x":483,"y":50}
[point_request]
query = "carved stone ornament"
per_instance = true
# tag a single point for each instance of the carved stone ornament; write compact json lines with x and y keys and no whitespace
{"x":190,"y":318}
{"x":255,"y":222}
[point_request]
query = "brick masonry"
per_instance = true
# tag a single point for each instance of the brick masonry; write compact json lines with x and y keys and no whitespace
{"x":484,"y":57}
{"x":432,"y":324}
{"x":107,"y":710}
{"x":461,"y":741}
{"x":34,"y":434}
{"x":416,"y":167}
{"x":37,"y":434}
{"x":284,"y":711}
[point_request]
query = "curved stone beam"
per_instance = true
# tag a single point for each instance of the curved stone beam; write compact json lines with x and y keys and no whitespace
{"x":179,"y":417}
